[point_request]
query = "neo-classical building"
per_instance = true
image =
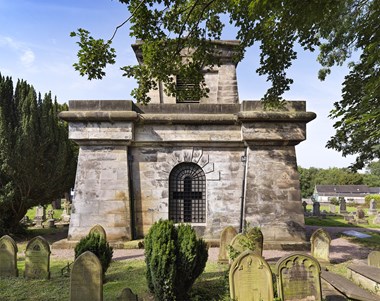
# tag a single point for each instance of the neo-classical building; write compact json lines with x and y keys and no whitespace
{"x":211,"y":162}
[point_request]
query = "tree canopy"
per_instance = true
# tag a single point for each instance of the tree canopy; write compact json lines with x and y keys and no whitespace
{"x":337,"y":29}
{"x":37,"y":161}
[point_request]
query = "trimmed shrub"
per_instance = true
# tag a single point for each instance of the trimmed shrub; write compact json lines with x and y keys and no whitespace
{"x":96,"y":244}
{"x":369,"y":197}
{"x":175,"y":258}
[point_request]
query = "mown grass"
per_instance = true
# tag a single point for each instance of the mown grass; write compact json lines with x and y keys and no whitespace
{"x":212,"y":285}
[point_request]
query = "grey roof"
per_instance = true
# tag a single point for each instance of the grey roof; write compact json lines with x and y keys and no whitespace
{"x":342,"y":190}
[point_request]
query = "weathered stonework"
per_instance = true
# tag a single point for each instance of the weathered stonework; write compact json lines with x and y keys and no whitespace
{"x":247,"y":156}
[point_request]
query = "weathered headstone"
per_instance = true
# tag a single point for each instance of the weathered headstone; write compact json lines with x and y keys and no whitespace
{"x":316,"y":209}
{"x":342,"y":206}
{"x":37,"y":259}
{"x":226,"y":237}
{"x":56,"y":204}
{"x":304,"y":205}
{"x":252,"y":240}
{"x":332,"y":208}
{"x":376,"y":220}
{"x":250,"y":278}
{"x":127,"y":295}
{"x":372,"y":208}
{"x":8,"y":257}
{"x":40,"y":215}
{"x":86,"y":278}
{"x":98,"y":229}
{"x":298,"y":278}
{"x":374,"y":259}
{"x":360,"y":213}
{"x":66,"y":211}
{"x":320,"y":245}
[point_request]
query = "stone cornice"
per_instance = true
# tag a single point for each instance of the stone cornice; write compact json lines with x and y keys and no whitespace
{"x":100,"y":116}
{"x":259,"y":116}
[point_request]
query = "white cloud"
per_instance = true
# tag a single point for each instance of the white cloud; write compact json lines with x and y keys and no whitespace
{"x":25,"y":55}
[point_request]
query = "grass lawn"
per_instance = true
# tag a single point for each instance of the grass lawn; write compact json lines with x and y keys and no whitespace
{"x":212,"y":285}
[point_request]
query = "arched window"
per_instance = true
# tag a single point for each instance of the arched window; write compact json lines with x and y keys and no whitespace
{"x":187,"y":194}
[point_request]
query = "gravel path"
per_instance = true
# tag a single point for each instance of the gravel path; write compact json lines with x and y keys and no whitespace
{"x":340,"y":250}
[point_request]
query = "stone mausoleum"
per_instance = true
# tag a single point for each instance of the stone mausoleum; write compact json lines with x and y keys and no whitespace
{"x":211,"y":162}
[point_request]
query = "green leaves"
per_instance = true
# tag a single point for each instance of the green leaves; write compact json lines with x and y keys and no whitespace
{"x":93,"y":55}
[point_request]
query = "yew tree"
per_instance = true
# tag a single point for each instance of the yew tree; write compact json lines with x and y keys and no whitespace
{"x":37,"y":161}
{"x":337,"y":29}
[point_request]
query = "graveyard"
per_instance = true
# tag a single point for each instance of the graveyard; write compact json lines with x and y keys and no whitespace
{"x":342,"y":263}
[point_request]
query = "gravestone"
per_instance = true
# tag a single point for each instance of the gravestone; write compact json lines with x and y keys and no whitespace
{"x":226,"y":237}
{"x":376,"y":220}
{"x":127,"y":295}
{"x":50,"y":216}
{"x":8,"y":257}
{"x":56,"y":204}
{"x":66,"y":211}
{"x":374,"y":259}
{"x":98,"y":229}
{"x":86,"y":278}
{"x":40,"y":215}
{"x":360,"y":213}
{"x":320,"y":245}
{"x":250,"y":278}
{"x":342,"y":206}
{"x":372,"y":208}
{"x":243,"y":241}
{"x":298,"y":278}
{"x":316,"y":209}
{"x":304,"y":205}
{"x":37,"y":259}
{"x":332,"y":208}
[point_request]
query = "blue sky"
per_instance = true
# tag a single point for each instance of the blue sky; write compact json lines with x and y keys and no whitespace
{"x":35,"y":45}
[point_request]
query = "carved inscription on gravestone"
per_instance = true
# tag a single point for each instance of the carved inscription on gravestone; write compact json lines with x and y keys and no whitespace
{"x":37,"y":259}
{"x":225,"y":239}
{"x":8,"y":257}
{"x":298,"y":278}
{"x":250,"y":278}
{"x":86,"y":278}
{"x":320,"y":245}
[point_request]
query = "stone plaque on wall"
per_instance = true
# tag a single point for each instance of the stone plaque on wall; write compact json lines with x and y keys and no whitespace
{"x":8,"y":257}
{"x":298,"y":278}
{"x":320,"y":245}
{"x":250,"y":278}
{"x":37,"y":259}
{"x":86,"y":278}
{"x":226,"y":237}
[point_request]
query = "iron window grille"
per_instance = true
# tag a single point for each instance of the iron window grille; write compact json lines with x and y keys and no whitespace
{"x":187,"y":194}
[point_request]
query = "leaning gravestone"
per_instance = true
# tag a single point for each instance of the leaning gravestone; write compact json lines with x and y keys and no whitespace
{"x":127,"y":295}
{"x":342,"y":206}
{"x":86,"y":278}
{"x":320,"y":245}
{"x":372,"y":208}
{"x":374,"y":259}
{"x":226,"y":237}
{"x":316,"y":209}
{"x":298,"y":278}
{"x":250,"y":278}
{"x":98,"y":229}
{"x":8,"y":257}
{"x":37,"y":259}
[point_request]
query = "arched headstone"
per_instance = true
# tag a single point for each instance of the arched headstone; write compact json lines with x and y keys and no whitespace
{"x":127,"y":295}
{"x":250,"y":278}
{"x":252,"y":240}
{"x":298,"y":278}
{"x":98,"y":229}
{"x":86,"y":278}
{"x":226,"y":237}
{"x":8,"y":257}
{"x":374,"y":259}
{"x":320,"y":245}
{"x":37,"y":259}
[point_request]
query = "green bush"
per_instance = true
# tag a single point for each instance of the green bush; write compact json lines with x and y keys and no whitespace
{"x":96,"y":244}
{"x":175,"y":258}
{"x":334,"y":201}
{"x":369,"y":197}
